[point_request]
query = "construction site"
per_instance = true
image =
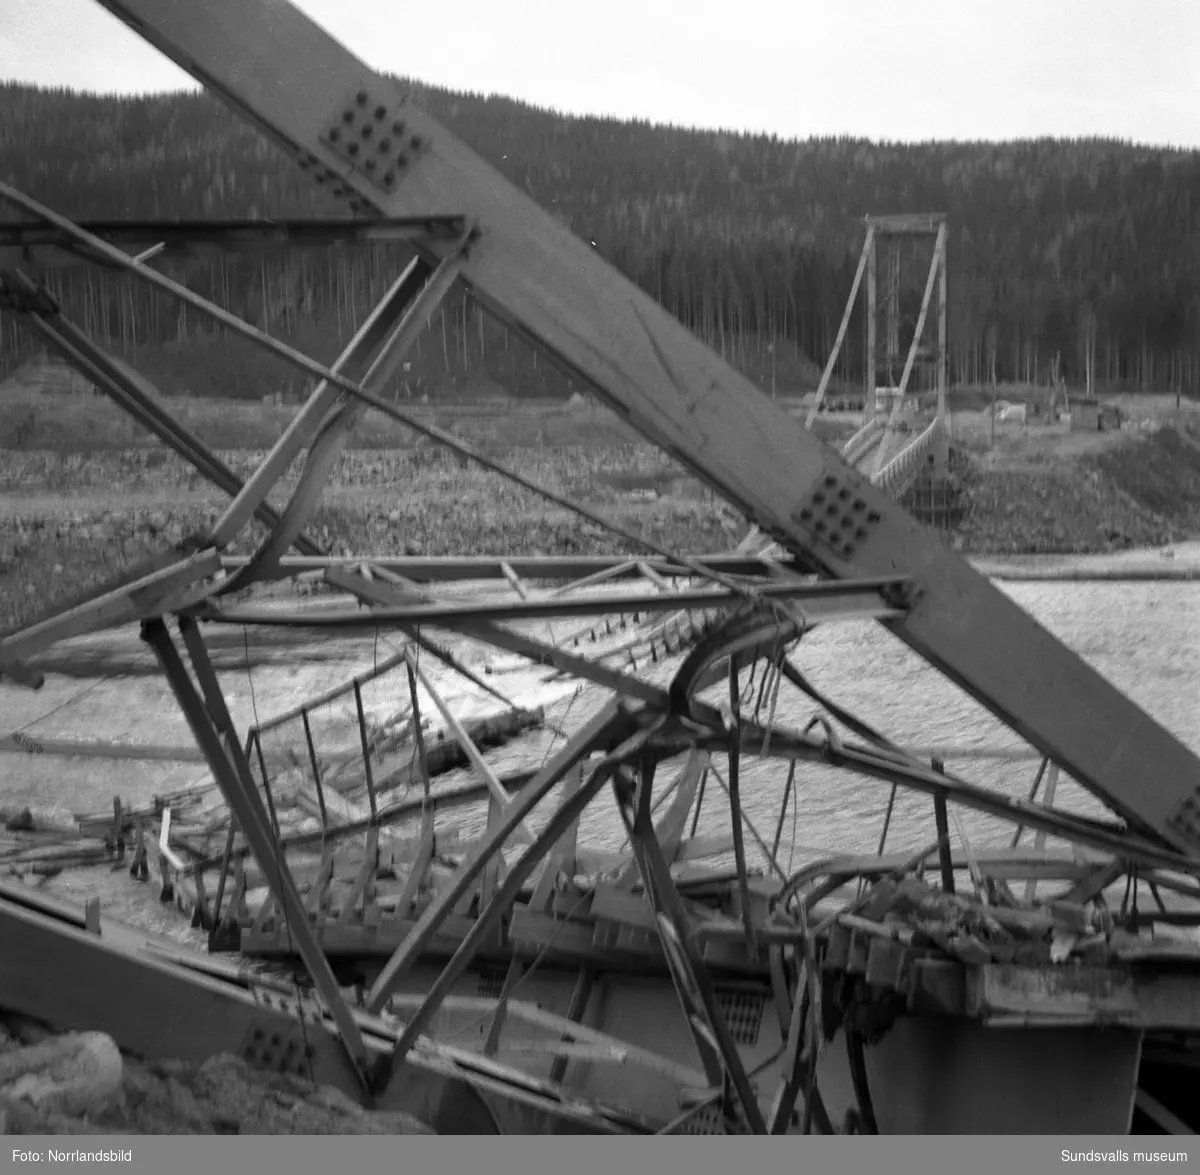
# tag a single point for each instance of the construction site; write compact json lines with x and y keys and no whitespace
{"x":340,"y":839}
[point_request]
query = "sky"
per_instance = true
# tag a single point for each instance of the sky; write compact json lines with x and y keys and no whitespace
{"x":882,"y":69}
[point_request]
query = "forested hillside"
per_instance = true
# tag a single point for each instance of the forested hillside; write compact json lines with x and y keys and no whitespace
{"x":1087,"y":249}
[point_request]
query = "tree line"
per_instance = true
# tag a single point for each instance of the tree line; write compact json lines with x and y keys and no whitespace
{"x":1078,"y":256}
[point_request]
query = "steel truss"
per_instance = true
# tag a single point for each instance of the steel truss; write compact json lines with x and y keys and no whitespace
{"x":848,"y":553}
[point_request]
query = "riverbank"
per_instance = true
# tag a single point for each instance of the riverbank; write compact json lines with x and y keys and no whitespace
{"x":72,"y":517}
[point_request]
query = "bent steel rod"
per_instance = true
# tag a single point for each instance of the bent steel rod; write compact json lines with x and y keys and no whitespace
{"x":213,"y":730}
{"x":299,"y":359}
{"x":608,"y":727}
{"x":818,"y":600}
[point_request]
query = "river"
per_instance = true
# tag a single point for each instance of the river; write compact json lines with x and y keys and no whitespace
{"x":1144,"y":637}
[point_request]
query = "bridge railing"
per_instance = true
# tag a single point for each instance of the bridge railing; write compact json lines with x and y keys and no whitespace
{"x":902,"y":470}
{"x":862,"y":441}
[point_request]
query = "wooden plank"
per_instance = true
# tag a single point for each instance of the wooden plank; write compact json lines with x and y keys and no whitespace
{"x":562,"y":856}
{"x":319,"y":888}
{"x":503,"y":800}
{"x":366,"y":871}
{"x":98,"y":749}
{"x":418,"y":869}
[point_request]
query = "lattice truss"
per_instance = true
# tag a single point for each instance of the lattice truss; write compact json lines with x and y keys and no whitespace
{"x":686,"y":658}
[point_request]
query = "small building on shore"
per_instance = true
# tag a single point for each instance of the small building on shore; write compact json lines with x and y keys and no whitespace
{"x":1085,"y":414}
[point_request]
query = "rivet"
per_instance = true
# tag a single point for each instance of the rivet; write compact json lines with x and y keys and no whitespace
{"x":380,"y":111}
{"x":401,"y":159}
{"x":843,"y":494}
{"x":848,"y":549}
{"x":334,"y":135}
{"x":873,"y":515}
{"x":859,"y":504}
{"x":352,"y":148}
{"x":806,"y":515}
{"x":361,"y":97}
{"x":861,"y":533}
{"x":390,"y":178}
{"x":830,"y":481}
{"x":819,"y":526}
{"x":369,"y":165}
{"x":831,"y":510}
{"x":417,"y":142}
{"x":818,"y":497}
{"x":367,"y":131}
{"x":385,"y":144}
{"x":397,"y":127}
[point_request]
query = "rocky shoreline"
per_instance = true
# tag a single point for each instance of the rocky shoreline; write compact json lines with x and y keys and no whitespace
{"x":94,"y":517}
{"x":80,"y":1083}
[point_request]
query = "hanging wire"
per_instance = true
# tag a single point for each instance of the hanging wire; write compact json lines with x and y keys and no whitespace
{"x":280,"y":866}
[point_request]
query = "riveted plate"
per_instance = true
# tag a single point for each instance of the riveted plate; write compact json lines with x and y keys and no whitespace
{"x":277,"y":1049}
{"x":372,"y":133}
{"x":836,"y":517}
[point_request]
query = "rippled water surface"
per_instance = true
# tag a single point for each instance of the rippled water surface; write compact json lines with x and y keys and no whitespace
{"x":1144,"y":637}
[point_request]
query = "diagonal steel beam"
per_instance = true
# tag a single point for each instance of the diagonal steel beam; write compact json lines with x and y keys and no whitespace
{"x":213,"y":730}
{"x":331,"y":441}
{"x":178,"y":585}
{"x":868,"y":244}
{"x":135,"y":395}
{"x":325,"y":397}
{"x":387,"y":594}
{"x":607,"y":728}
{"x":553,"y":288}
{"x":693,"y":985}
{"x":489,"y":917}
{"x":467,"y":744}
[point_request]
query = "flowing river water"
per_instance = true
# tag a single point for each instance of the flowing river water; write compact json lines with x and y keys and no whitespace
{"x":1144,"y":637}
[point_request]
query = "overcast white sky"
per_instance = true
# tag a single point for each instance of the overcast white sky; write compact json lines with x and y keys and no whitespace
{"x":885,"y":69}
